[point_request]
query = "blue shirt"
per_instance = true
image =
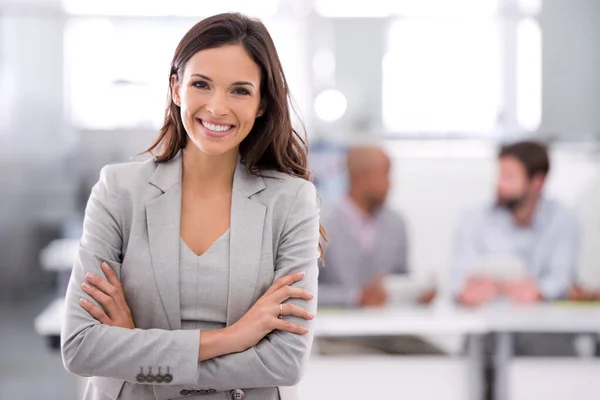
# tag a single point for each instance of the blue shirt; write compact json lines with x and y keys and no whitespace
{"x":548,"y":247}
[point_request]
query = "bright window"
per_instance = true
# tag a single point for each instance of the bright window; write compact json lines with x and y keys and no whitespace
{"x":529,"y":74}
{"x":463,"y":66}
{"x":442,"y":75}
{"x":117,"y":74}
{"x":117,"y":69}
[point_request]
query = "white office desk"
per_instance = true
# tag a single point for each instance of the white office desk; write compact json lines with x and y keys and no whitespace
{"x":408,"y":320}
{"x":504,"y":319}
{"x":544,"y":317}
{"x":59,"y":255}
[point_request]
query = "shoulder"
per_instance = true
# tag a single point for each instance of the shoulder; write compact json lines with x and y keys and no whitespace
{"x":123,"y":178}
{"x":393,"y":216}
{"x":559,"y":213}
{"x":479,"y":216}
{"x":278,"y":184}
{"x":285,"y":194}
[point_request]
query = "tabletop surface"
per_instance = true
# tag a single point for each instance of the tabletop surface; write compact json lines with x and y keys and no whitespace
{"x":421,"y":320}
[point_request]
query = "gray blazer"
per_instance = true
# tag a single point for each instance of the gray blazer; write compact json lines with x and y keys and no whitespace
{"x":132,"y":222}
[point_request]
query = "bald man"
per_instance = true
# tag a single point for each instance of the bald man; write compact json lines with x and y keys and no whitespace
{"x":367,"y":241}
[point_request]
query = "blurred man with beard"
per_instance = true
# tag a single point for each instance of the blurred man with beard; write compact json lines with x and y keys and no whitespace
{"x":524,"y":225}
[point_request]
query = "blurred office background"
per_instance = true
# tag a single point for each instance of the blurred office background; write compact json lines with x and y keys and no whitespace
{"x":438,"y":82}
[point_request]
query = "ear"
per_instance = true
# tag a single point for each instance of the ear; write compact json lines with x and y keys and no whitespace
{"x":538,"y":181}
{"x":262,"y":108}
{"x":175,"y":86}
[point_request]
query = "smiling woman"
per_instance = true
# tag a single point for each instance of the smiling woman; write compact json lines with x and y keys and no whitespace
{"x":218,"y":110}
{"x":197,"y":269}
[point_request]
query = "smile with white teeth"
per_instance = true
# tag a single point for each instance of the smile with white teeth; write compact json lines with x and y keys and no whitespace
{"x":216,"y":128}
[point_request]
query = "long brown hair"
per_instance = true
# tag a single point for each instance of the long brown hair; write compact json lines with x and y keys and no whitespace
{"x":272,"y":144}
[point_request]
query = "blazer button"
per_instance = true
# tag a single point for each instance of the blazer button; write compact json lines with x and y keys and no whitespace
{"x":150,"y":377}
{"x":237,"y":394}
{"x":158,"y":378}
{"x":184,"y":392}
{"x":141,"y":377}
{"x":168,"y":378}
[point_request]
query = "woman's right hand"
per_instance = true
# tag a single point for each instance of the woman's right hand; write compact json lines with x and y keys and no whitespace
{"x":263,"y":317}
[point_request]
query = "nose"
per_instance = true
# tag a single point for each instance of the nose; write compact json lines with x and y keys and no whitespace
{"x":217,"y":105}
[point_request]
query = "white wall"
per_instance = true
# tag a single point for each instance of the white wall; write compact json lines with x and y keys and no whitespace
{"x":571,"y":61}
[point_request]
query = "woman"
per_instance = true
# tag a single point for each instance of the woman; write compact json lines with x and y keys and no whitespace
{"x":197,"y":270}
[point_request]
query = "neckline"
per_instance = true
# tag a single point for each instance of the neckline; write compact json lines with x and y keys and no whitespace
{"x":185,"y":245}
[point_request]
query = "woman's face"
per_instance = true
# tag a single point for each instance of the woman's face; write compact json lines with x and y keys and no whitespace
{"x":219,"y":98}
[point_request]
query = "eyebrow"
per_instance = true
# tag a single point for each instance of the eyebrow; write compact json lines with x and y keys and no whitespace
{"x":238,"y":83}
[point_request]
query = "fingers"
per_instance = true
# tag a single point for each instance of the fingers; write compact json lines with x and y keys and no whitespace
{"x":95,"y":312}
{"x":111,"y":276}
{"x":297,"y":311}
{"x":481,"y":282}
{"x":473,"y":300}
{"x":116,"y":283}
{"x":287,"y":292}
{"x":115,"y":293}
{"x":285,"y":281}
{"x":377,"y":280}
{"x":106,"y":301}
{"x":475,"y":296}
{"x":287,"y":326}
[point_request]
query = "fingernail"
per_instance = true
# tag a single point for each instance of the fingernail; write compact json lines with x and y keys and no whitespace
{"x":302,"y":273}
{"x":104,"y":265}
{"x":310,"y":295}
{"x":84,"y":301}
{"x":305,"y":330}
{"x":90,"y":275}
{"x":312,"y":316}
{"x":86,"y":286}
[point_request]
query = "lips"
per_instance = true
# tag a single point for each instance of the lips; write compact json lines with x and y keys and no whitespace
{"x":215,"y":130}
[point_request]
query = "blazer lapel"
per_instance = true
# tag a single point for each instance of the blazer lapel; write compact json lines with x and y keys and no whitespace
{"x":246,"y":238}
{"x":163,"y":215}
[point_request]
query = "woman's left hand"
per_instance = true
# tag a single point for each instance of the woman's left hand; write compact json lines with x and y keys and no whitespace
{"x":109,"y":293}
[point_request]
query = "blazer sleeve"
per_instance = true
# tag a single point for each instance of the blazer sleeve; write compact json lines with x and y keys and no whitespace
{"x":280,"y":358}
{"x":90,"y":348}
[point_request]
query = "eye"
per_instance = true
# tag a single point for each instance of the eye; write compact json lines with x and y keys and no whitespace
{"x":241,"y":91}
{"x":200,"y":85}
